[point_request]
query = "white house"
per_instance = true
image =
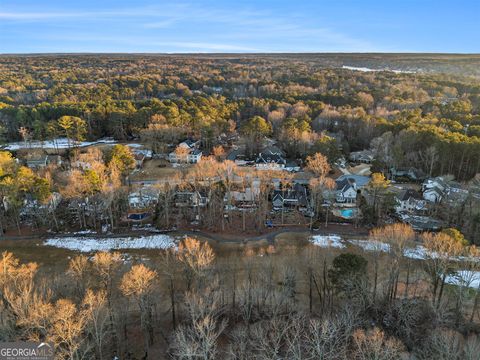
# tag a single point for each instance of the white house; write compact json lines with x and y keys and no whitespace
{"x":144,"y":197}
{"x":433,"y":194}
{"x":434,"y":189}
{"x":192,"y":154}
{"x":346,"y":191}
{"x":348,"y":186}
{"x":409,"y":200}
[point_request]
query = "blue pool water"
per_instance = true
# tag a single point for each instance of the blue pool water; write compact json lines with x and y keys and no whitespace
{"x":346,"y":213}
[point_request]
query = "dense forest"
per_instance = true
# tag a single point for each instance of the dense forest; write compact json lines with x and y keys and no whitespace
{"x":425,"y":107}
{"x":385,"y":291}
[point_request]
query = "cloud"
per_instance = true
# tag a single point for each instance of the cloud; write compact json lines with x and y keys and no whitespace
{"x":186,"y":27}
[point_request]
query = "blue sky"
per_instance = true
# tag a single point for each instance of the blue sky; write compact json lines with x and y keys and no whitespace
{"x":39,"y":26}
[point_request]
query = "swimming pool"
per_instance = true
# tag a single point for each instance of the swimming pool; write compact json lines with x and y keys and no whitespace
{"x":346,"y":213}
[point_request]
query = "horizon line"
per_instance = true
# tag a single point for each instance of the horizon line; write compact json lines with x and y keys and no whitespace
{"x":240,"y":53}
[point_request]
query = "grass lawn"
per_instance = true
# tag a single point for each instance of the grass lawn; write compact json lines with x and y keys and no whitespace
{"x":157,"y":169}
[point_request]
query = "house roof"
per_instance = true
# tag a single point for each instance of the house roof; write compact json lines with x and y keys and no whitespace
{"x":359,"y":180}
{"x":269,"y":158}
{"x":38,"y":160}
{"x":406,"y":194}
{"x":435,"y":189}
{"x":345,"y":184}
{"x":364,"y":154}
{"x":232,"y":155}
{"x":296,"y":194}
{"x":272,"y":149}
{"x":190,"y":142}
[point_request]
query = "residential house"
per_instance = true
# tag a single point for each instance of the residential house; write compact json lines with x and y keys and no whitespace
{"x":364,"y":156}
{"x":434,"y":194}
{"x":32,"y":206}
{"x":292,"y":166}
{"x":194,"y":156}
{"x":434,"y":189}
{"x":346,"y":192}
{"x":273,"y":149}
{"x":37,"y":162}
{"x":291,"y":197}
{"x":246,"y":197}
{"x":143,"y":198}
{"x":422,"y":223}
{"x":192,"y":153}
{"x":142,"y":203}
{"x":190,"y":199}
{"x":348,"y":187}
{"x":409,"y":200}
{"x":410,"y":173}
{"x":238,"y":157}
{"x":270,"y":161}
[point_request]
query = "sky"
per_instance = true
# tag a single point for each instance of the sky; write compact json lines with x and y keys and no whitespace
{"x":235,"y":26}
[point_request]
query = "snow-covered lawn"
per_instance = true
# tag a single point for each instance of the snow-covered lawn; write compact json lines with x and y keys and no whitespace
{"x":461,"y":277}
{"x":418,"y":252}
{"x":371,"y":245}
{"x":88,"y":244}
{"x":60,"y":143}
{"x":325,"y":241}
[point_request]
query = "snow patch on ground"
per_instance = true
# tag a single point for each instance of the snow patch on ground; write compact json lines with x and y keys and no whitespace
{"x":60,"y":143}
{"x":365,"y":69}
{"x":88,"y":244}
{"x":371,"y":245}
{"x":325,"y":241}
{"x":464,"y":278}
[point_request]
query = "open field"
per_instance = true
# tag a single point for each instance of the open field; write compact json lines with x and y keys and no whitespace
{"x":156,"y":169}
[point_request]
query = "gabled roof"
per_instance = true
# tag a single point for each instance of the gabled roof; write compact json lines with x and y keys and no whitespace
{"x":434,"y":189}
{"x":272,"y":149}
{"x":269,"y":158}
{"x":190,"y":142}
{"x":37,"y":160}
{"x":408,"y":194}
{"x":345,"y":184}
